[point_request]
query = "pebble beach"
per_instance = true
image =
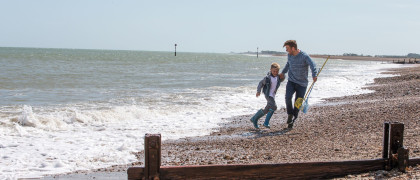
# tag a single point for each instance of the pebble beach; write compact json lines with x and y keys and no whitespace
{"x":338,"y":129}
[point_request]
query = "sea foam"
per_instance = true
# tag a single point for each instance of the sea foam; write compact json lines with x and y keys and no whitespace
{"x":39,"y":139}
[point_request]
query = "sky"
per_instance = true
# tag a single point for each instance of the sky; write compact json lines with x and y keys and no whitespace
{"x":368,"y":27}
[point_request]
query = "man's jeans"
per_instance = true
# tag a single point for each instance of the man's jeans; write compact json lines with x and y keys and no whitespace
{"x":291,"y":88}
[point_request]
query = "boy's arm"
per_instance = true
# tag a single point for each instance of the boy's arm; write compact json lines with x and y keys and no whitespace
{"x":260,"y":85}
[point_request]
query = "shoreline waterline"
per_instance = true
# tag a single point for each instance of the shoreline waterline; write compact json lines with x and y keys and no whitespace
{"x":65,"y":123}
{"x":237,"y":129}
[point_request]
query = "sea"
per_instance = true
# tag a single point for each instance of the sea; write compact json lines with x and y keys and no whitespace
{"x":63,"y":110}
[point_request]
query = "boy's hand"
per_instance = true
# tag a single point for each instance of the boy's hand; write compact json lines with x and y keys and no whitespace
{"x":258,"y":94}
{"x":281,"y":79}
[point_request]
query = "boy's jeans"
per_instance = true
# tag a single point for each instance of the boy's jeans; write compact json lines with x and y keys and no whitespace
{"x":271,"y":104}
{"x":291,"y":88}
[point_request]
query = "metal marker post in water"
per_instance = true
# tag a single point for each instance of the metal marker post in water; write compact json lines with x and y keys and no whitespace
{"x":175,"y":49}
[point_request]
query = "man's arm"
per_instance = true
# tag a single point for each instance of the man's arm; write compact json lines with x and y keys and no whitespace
{"x":312,"y":65}
{"x":284,"y":71}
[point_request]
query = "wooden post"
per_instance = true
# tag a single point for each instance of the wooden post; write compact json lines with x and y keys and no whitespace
{"x":403,"y":159}
{"x":386,"y":141}
{"x":395,"y":142}
{"x":396,"y":136}
{"x":152,"y":148}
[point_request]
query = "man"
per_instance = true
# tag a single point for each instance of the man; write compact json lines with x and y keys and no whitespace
{"x":297,"y":68}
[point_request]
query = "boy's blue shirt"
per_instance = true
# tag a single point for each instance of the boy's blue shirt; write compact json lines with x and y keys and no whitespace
{"x":297,"y":68}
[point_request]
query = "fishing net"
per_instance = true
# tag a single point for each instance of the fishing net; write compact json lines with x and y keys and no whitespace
{"x":305,"y":106}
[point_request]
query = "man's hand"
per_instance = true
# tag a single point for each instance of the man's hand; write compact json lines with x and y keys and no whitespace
{"x":281,"y":75}
{"x":258,"y":94}
{"x":315,"y":78}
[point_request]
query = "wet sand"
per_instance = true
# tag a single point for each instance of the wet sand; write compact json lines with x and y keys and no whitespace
{"x":344,"y":128}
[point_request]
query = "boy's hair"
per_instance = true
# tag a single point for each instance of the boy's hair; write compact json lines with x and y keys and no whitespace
{"x":275,"y":65}
{"x":291,"y":43}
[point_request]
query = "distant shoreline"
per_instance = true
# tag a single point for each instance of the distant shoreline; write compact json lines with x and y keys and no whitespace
{"x":359,"y":58}
{"x":364,"y":58}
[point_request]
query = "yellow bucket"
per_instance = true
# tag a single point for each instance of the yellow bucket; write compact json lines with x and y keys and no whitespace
{"x":298,"y":102}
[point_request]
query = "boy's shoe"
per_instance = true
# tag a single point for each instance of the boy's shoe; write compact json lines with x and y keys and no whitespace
{"x":255,"y":118}
{"x":267,"y":118}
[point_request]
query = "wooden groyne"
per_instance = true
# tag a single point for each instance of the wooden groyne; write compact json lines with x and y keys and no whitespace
{"x":409,"y":61}
{"x":394,"y":155}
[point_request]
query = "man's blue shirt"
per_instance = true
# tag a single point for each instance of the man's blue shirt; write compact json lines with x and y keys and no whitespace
{"x":297,"y":68}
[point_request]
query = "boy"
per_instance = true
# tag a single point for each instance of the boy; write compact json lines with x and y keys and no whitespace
{"x":269,"y":84}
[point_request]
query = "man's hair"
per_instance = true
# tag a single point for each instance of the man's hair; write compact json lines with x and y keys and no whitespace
{"x":291,"y":43}
{"x":275,"y":65}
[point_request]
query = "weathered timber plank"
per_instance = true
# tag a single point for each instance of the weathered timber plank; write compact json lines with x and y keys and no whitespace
{"x":310,"y":170}
{"x":134,"y":173}
{"x":414,"y":161}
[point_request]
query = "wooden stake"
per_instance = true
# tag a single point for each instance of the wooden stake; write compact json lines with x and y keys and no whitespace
{"x":396,"y":137}
{"x":402,"y":159}
{"x":152,"y":148}
{"x":386,"y":141}
{"x":396,"y":140}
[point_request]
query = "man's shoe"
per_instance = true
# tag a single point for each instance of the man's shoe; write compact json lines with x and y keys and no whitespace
{"x":290,"y":126}
{"x":295,"y":117}
{"x":289,"y":119}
